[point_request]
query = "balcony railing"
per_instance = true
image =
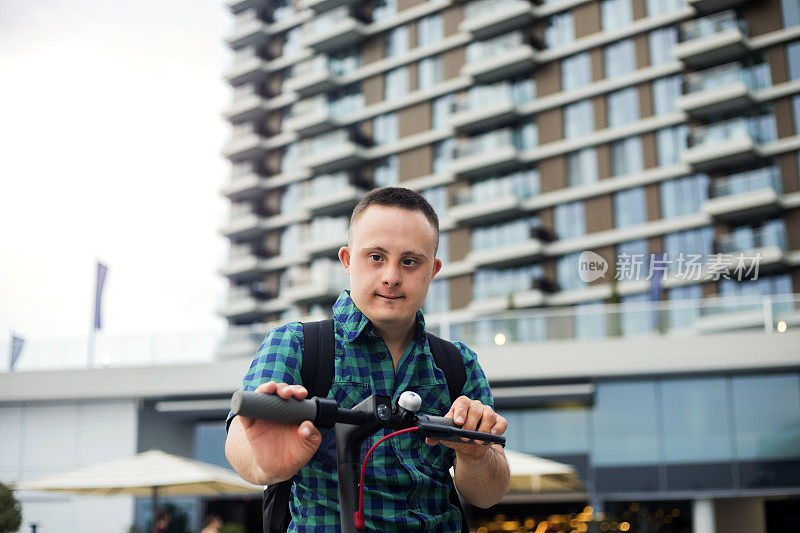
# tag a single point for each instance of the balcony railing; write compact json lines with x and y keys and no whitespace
{"x":722,"y":76}
{"x":711,"y":25}
{"x":744,"y":239}
{"x":679,"y":317}
{"x":744,"y":182}
{"x":739,"y":128}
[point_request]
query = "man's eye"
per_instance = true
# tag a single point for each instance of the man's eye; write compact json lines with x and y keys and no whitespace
{"x":375,"y":257}
{"x":410,"y":262}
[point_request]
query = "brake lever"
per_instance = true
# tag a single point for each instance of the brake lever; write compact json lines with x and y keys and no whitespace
{"x":455,"y":434}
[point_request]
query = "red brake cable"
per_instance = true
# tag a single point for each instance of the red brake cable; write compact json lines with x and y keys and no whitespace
{"x":359,"y":514}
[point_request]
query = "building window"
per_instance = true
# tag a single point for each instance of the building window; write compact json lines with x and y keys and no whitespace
{"x":620,"y":58}
{"x":581,"y":167}
{"x":430,"y":30}
{"x":526,"y":136}
{"x":590,"y":320}
{"x":791,"y":12}
{"x":694,"y":242}
{"x":626,"y":156}
{"x":665,"y":93}
{"x":616,"y":14}
{"x":385,"y":128}
{"x":635,"y":316}
{"x":569,"y":221}
{"x":683,"y":196}
{"x":437,"y":197}
{"x":670,"y":143}
{"x":491,"y":282}
{"x":560,"y":30}
{"x":384,"y":9}
{"x":292,"y":42}
{"x":616,"y":405}
{"x":630,"y":207}
{"x":568,"y":273}
{"x":346,"y":102}
{"x":291,"y":158}
{"x":683,"y":308}
{"x":442,"y":108}
{"x":504,"y":234}
{"x":662,"y":7}
{"x":430,"y":72}
{"x":578,"y":119}
{"x":438,"y":298}
{"x":793,"y":57}
{"x":344,"y":62}
{"x":387,"y":172}
{"x":576,"y":72}
{"x":397,"y":82}
{"x":443,"y":153}
{"x":637,"y":249}
{"x":623,"y":107}
{"x":662,"y":41}
{"x":396,"y":41}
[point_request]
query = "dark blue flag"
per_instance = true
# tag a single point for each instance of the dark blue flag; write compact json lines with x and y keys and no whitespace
{"x":16,"y":349}
{"x":101,"y":278}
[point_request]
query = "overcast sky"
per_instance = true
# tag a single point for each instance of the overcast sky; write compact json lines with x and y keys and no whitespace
{"x":110,"y":140}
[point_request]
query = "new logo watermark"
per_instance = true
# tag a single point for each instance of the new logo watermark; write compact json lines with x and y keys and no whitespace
{"x":689,"y":267}
{"x":591,"y":267}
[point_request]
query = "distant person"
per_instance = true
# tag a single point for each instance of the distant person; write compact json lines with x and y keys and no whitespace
{"x":162,"y":522}
{"x":212,"y":524}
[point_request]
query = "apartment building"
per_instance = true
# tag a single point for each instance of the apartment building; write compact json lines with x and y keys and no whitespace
{"x":661,"y":129}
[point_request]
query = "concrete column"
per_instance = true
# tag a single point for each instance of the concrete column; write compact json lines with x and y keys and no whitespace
{"x":703,"y":520}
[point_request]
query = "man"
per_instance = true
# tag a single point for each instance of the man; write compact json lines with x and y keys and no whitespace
{"x":381,"y":348}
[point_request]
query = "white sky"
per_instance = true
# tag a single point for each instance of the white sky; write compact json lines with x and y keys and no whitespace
{"x":110,"y":136}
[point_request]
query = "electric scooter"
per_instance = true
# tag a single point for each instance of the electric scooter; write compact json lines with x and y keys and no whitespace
{"x":351,"y":428}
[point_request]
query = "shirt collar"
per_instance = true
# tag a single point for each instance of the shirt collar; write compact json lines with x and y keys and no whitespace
{"x":354,"y":322}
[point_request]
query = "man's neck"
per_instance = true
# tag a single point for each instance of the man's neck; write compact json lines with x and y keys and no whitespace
{"x":397,"y":339}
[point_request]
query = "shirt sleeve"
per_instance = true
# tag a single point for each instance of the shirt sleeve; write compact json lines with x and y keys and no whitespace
{"x":278,"y":359}
{"x":477,"y":386}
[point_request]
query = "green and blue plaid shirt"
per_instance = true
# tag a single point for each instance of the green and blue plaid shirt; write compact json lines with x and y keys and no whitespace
{"x":406,"y":481}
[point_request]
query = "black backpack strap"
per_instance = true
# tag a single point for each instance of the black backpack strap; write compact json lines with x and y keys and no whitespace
{"x":448,"y":358}
{"x":316,"y":374}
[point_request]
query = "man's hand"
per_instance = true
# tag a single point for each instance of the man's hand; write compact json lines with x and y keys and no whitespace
{"x":474,"y":416}
{"x":272,"y":451}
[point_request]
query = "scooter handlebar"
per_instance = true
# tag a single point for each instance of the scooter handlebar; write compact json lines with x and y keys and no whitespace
{"x":272,"y":407}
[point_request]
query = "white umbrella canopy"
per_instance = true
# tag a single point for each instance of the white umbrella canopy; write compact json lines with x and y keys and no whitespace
{"x":141,"y":474}
{"x":534,"y":474}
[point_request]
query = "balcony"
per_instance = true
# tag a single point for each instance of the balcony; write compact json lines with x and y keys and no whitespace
{"x":712,"y":6}
{"x":765,"y":244}
{"x":237,"y":6}
{"x":712,"y":40}
{"x":727,"y":144}
{"x":244,"y":186}
{"x":471,"y":116}
{"x":489,"y":153}
{"x":518,"y":253}
{"x":312,"y":77}
{"x":324,"y":235}
{"x":248,"y":67}
{"x":241,"y":341}
{"x":337,"y":28}
{"x":330,"y":195}
{"x":247,"y":105}
{"x":244,"y":267}
{"x":331,"y":152}
{"x":745,"y":196}
{"x":718,"y":91}
{"x":245,"y":143}
{"x":311,"y":117}
{"x":240,"y":307}
{"x":477,"y":211}
{"x":244,"y":223}
{"x":487,"y":18}
{"x":492,"y":63}
{"x":248,"y":30}
{"x":324,"y":5}
{"x":321,"y":282}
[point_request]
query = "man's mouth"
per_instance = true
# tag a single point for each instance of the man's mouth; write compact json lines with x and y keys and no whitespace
{"x":389,"y":297}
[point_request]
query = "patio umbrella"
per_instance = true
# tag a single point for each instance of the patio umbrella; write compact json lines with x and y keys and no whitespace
{"x":534,"y":474}
{"x":147,"y":474}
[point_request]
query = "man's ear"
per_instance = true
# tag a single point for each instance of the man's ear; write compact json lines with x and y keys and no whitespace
{"x":344,"y":258}
{"x":437,"y":266}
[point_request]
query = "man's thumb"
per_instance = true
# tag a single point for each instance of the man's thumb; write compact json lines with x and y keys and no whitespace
{"x":310,"y":434}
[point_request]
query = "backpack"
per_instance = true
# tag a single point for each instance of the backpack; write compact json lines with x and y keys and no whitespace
{"x":316,"y":373}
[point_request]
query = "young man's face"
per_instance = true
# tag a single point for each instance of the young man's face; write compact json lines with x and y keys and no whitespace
{"x":391,"y":264}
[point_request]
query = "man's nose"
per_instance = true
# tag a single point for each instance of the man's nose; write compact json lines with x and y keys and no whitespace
{"x":391,"y":276}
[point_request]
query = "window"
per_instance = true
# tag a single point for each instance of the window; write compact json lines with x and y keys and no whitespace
{"x":344,"y":62}
{"x":616,"y":14}
{"x":581,"y":167}
{"x":560,"y":30}
{"x":397,"y":81}
{"x":568,"y":274}
{"x":504,"y":234}
{"x":384,"y":9}
{"x":665,"y":92}
{"x":578,"y":119}
{"x":292,"y":41}
{"x":796,"y":109}
{"x":385,"y":128}
{"x":683,"y":196}
{"x":491,"y":282}
{"x":387,"y":172}
{"x":662,"y":42}
{"x":346,"y":102}
{"x":791,"y":12}
{"x":626,"y":156}
{"x":635,"y":249}
{"x":590,"y":320}
{"x":430,"y":72}
{"x":682,"y":311}
{"x":430,"y":30}
{"x":291,"y":158}
{"x":437,"y":197}
{"x":630,"y":207}
{"x":670,"y":143}
{"x":576,"y":72}
{"x":443,"y":154}
{"x":526,"y":136}
{"x":662,"y":7}
{"x":688,"y":243}
{"x":443,"y":251}
{"x":438,"y":298}
{"x":396,"y":41}
{"x":620,"y":58}
{"x":616,"y":405}
{"x":570,"y":221}
{"x":634,"y":314}
{"x":623,"y":107}
{"x":442,"y":107}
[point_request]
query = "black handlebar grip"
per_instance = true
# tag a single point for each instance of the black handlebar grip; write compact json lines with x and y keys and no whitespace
{"x":271,"y":407}
{"x":441,"y":420}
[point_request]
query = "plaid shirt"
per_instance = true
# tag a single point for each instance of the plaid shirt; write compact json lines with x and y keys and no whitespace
{"x":406,"y":481}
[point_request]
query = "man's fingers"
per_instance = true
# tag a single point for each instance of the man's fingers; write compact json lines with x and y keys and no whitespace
{"x":488,"y":420}
{"x":473,"y":415}
{"x":500,"y":425}
{"x":460,"y":408}
{"x":283,"y":390}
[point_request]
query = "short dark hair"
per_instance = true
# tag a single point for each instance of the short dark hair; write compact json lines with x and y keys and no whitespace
{"x":395,"y":197}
